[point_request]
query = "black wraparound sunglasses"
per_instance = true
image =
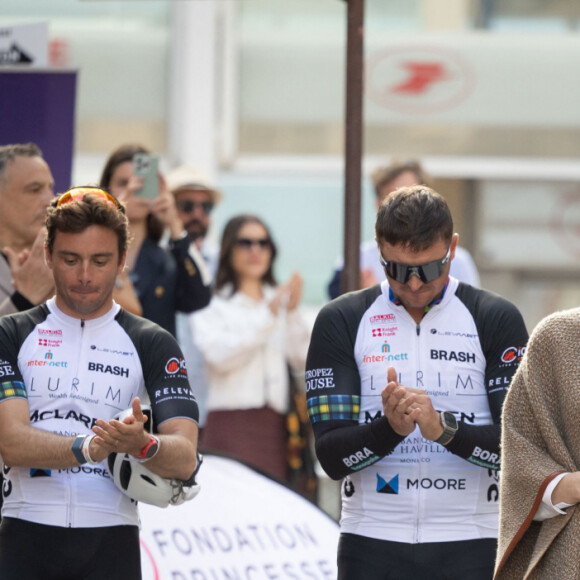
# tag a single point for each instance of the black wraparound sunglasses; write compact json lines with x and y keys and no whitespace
{"x":425,"y":272}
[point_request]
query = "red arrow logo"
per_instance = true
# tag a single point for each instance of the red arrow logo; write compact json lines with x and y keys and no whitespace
{"x":422,"y":75}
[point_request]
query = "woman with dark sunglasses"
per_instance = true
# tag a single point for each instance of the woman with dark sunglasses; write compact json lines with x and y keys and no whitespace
{"x":158,"y":281}
{"x":248,"y":335}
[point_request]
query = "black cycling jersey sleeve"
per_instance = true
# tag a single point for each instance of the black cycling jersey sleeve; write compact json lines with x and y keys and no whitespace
{"x":333,"y":388}
{"x":14,"y":330}
{"x":164,"y":369}
{"x":479,"y":444}
{"x":343,"y":449}
{"x":503,"y":338}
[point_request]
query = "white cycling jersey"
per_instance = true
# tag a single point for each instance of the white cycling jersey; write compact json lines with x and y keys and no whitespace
{"x":72,"y":373}
{"x":463,"y":354}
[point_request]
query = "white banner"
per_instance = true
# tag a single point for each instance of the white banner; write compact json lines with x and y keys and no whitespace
{"x":242,"y":526}
{"x":498,"y":80}
{"x":24,"y":44}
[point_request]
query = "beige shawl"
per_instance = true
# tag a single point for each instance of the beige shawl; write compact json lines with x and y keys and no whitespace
{"x":541,"y":438}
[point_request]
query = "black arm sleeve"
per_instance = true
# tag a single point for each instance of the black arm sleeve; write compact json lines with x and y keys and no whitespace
{"x":191,"y":292}
{"x":478,"y":444}
{"x":333,"y":389}
{"x":503,"y":337}
{"x":335,"y":444}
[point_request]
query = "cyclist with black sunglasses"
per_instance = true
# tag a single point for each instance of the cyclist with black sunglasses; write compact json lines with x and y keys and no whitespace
{"x":405,"y":384}
{"x":386,"y":180}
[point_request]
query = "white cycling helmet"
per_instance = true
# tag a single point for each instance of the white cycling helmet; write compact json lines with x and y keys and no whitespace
{"x":141,"y":484}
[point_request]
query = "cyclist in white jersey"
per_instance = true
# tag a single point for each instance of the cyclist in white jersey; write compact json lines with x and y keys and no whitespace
{"x":405,"y":384}
{"x":66,"y":369}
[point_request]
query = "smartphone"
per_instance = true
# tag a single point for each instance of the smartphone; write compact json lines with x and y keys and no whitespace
{"x":147,"y":167}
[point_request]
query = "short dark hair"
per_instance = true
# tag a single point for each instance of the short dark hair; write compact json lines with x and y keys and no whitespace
{"x":225,"y":272}
{"x":77,"y":215}
{"x":416,"y":217}
{"x":383,"y":175}
{"x":9,"y":152}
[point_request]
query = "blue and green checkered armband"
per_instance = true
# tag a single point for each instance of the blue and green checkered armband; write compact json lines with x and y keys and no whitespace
{"x":12,"y":389}
{"x":329,"y":407}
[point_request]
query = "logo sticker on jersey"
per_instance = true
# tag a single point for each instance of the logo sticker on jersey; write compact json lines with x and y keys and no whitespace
{"x":384,"y":331}
{"x":49,"y":342}
{"x":47,"y":362}
{"x":418,"y":445}
{"x":387,"y":355}
{"x":112,"y":350}
{"x":391,"y":486}
{"x":513,"y":354}
{"x":319,"y":379}
{"x":485,"y":458}
{"x":6,"y":369}
{"x":49,"y":332}
{"x":451,"y":333}
{"x":452,"y":356}
{"x":426,"y":483}
{"x":360,"y":459}
{"x":439,"y":484}
{"x":383,"y":319}
{"x":40,"y":472}
{"x":348,"y":487}
{"x":6,"y":483}
{"x":66,"y":415}
{"x":170,"y":394}
{"x":108,"y":369}
{"x":176,"y":365}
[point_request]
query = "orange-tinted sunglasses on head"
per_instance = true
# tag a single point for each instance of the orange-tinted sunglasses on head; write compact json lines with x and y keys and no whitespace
{"x":77,"y":194}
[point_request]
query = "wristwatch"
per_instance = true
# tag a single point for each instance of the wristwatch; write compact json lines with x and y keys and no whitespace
{"x":450,"y":426}
{"x":150,"y":450}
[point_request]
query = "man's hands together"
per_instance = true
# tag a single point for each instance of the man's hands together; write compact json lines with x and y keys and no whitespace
{"x":406,"y":407}
{"x":127,"y":436}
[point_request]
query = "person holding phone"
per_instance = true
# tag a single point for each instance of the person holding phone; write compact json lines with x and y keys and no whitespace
{"x":248,"y":335}
{"x":157,"y":282}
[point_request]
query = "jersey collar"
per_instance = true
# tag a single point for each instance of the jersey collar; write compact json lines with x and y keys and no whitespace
{"x":93,"y":322}
{"x":397,"y":302}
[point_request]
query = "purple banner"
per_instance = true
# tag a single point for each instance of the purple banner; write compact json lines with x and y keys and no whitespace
{"x":39,"y":106}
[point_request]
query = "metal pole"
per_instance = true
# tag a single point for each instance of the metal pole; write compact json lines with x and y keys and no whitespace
{"x":353,"y":144}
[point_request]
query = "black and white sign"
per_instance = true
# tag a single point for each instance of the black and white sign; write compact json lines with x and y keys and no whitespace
{"x":24,"y":44}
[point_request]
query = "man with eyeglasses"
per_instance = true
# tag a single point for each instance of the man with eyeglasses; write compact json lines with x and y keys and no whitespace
{"x":69,"y":367}
{"x":405,"y":384}
{"x":195,"y":199}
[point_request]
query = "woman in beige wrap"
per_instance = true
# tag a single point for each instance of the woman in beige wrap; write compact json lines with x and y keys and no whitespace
{"x":539,"y":533}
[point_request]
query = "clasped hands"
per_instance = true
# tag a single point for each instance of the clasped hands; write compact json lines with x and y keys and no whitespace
{"x":127,"y":436}
{"x":407,"y":407}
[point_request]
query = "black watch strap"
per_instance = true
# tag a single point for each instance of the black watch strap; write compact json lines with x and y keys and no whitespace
{"x":77,"y":449}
